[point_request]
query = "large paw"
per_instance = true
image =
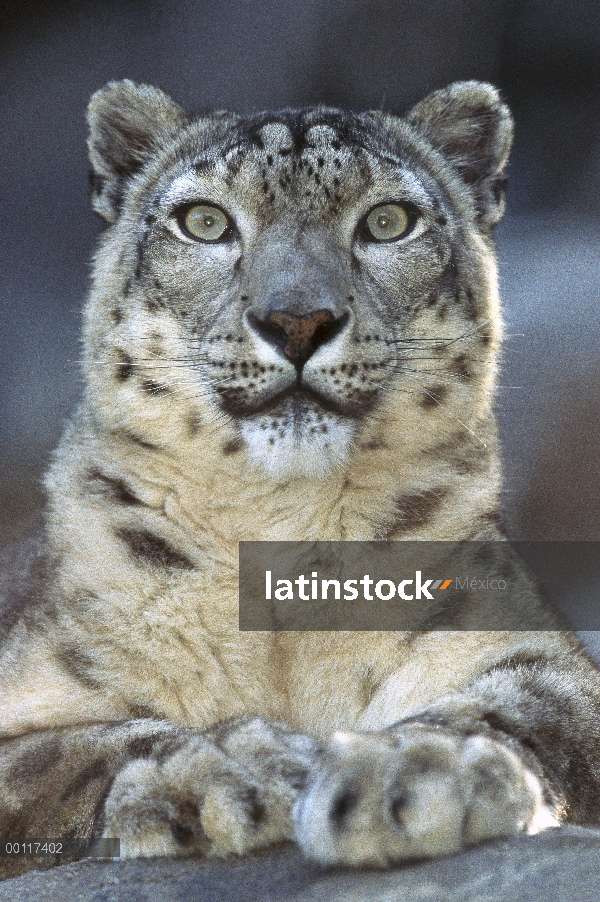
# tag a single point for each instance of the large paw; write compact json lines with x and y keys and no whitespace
{"x":193,"y":800}
{"x":420,"y":792}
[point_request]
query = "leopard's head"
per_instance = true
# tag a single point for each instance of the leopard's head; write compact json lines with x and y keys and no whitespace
{"x":291,"y":282}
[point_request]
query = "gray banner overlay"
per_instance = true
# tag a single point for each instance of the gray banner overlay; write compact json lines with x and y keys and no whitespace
{"x":419,"y":585}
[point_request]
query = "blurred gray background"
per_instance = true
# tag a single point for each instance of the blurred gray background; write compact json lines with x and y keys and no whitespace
{"x":253,"y":54}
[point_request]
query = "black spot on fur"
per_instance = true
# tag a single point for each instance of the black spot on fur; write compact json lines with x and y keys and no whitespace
{"x":154,"y":304}
{"x":141,"y":712}
{"x":343,"y":805}
{"x":125,"y":367}
{"x":255,"y":807}
{"x":374,"y":445}
{"x":499,"y":189}
{"x":187,"y":825}
{"x":116,"y":316}
{"x":141,"y":746}
{"x":150,"y":387}
{"x":460,"y":366}
{"x":468,"y":300}
{"x":164,"y":748}
{"x":140,"y":250}
{"x":492,"y":518}
{"x":414,"y":511}
{"x":137,"y":439}
{"x":114,"y":489}
{"x":152,"y":549}
{"x":38,"y":758}
{"x":433,"y":396}
{"x":291,"y":772}
{"x":233,"y":446}
{"x":464,"y":454}
{"x":256,"y":138}
{"x":97,"y":182}
{"x":496,"y":722}
{"x":78,"y":665}
{"x":194,"y":424}
{"x":96,"y":770}
{"x":398,"y":804}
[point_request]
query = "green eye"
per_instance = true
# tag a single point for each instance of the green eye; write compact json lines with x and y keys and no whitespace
{"x":388,"y":221}
{"x":205,"y":222}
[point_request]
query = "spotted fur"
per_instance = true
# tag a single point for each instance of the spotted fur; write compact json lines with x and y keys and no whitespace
{"x":297,"y":381}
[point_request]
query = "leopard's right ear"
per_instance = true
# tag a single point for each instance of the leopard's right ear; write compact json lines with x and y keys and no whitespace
{"x":125,"y":120}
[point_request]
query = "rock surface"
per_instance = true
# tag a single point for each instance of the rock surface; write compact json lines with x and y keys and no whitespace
{"x":556,"y":866}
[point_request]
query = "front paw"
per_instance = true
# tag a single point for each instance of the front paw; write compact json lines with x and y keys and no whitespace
{"x":194,"y":801}
{"x":419,"y":792}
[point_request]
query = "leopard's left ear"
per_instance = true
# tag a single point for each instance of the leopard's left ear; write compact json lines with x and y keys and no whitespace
{"x":471,"y":126}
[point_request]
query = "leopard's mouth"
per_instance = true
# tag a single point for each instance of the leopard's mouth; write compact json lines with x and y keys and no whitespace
{"x":298,"y":401}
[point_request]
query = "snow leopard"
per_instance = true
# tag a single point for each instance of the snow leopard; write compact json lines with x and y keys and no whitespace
{"x":292,"y":334}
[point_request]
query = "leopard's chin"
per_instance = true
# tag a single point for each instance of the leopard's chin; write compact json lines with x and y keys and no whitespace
{"x":298,"y":438}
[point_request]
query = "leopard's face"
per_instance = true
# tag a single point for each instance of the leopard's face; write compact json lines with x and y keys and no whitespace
{"x":287,"y":278}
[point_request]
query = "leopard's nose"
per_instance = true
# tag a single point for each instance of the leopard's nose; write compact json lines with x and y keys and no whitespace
{"x":298,"y":337}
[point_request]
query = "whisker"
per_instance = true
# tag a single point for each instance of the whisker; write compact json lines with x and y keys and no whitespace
{"x":413,"y":359}
{"x":446,"y":341}
{"x":440,"y":375}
